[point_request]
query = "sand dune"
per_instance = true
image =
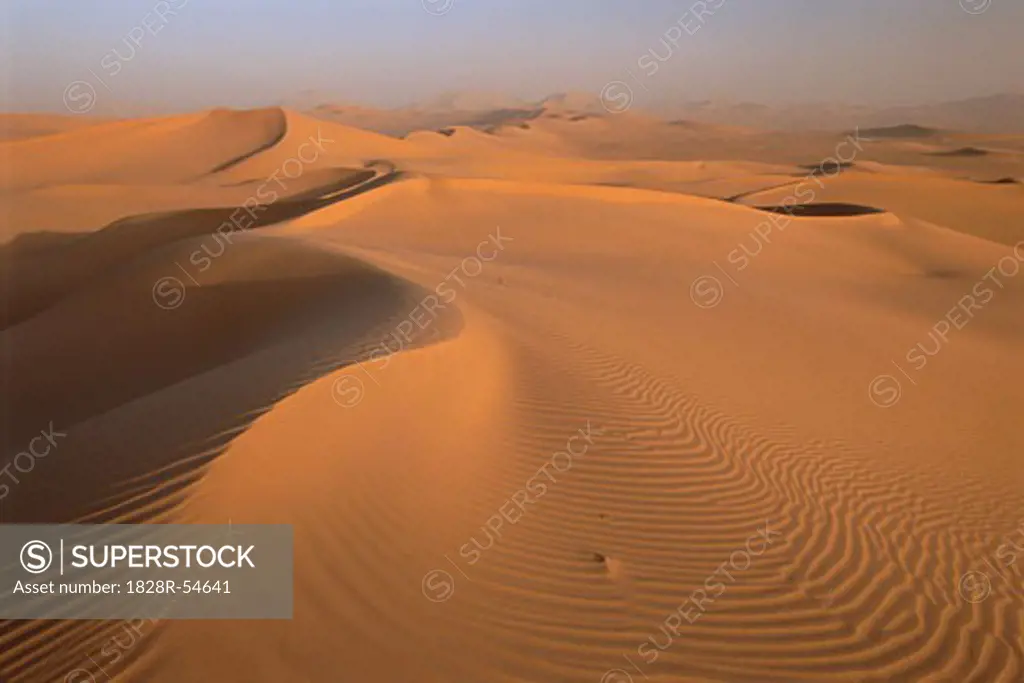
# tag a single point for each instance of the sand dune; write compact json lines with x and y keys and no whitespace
{"x":903,"y":131}
{"x":536,"y":410}
{"x":952,"y":203}
{"x":962,"y":152}
{"x":20,"y":126}
{"x":123,"y":152}
{"x":994,"y":113}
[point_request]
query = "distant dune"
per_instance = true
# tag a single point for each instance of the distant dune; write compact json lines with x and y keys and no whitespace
{"x":1002,"y":113}
{"x":961,"y":152}
{"x":906,"y":130}
{"x":21,"y":126}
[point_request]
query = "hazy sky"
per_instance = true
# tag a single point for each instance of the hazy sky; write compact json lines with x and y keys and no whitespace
{"x":387,"y":52}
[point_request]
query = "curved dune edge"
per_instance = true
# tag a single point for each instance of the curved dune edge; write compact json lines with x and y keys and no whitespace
{"x":276,"y":293}
{"x":297,"y":313}
{"x":463,"y":383}
{"x":43,"y":267}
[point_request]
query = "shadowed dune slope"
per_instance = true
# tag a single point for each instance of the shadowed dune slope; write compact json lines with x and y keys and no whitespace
{"x":41,"y":268}
{"x":157,"y":323}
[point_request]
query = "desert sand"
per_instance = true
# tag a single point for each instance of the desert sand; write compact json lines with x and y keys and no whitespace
{"x":576,"y":397}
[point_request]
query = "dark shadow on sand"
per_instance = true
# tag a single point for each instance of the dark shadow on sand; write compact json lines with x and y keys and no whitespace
{"x":827,"y":168}
{"x":903,"y":131}
{"x":146,"y":399}
{"x":822,"y":210}
{"x":961,"y":153}
{"x":40,"y":268}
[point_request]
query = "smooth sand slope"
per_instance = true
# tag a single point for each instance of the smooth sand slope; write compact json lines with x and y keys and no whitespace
{"x":534,"y":415}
